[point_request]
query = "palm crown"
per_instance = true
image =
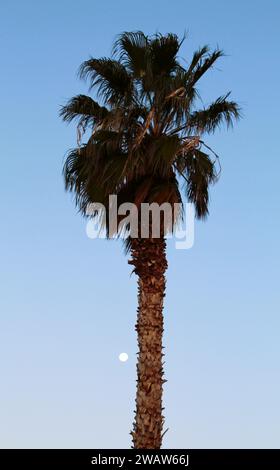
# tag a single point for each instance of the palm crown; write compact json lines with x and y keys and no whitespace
{"x":145,"y":132}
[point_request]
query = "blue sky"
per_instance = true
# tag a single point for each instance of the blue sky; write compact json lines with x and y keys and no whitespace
{"x":68,"y":303}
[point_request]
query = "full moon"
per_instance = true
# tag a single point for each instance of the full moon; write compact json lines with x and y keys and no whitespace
{"x":123,"y":357}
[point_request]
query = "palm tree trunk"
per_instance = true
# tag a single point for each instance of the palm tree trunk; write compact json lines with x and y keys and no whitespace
{"x":149,"y":260}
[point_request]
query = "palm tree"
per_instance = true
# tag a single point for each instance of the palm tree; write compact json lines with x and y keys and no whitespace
{"x":145,"y":146}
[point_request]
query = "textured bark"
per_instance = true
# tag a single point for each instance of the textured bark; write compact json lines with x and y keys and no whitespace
{"x":149,"y":260}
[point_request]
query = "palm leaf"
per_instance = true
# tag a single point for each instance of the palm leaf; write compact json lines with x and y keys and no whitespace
{"x":83,"y":109}
{"x":131,"y":50}
{"x":208,"y":119}
{"x":110,"y":78}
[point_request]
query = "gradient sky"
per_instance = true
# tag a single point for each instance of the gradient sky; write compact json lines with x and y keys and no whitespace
{"x":68,"y":303}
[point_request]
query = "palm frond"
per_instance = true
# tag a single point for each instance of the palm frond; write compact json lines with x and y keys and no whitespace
{"x":199,"y":172}
{"x":131,"y":50}
{"x":202,"y":66}
{"x":196,"y":59}
{"x":163,"y":53}
{"x":208,"y":119}
{"x":111,"y":79}
{"x":83,"y":109}
{"x":165,"y":149}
